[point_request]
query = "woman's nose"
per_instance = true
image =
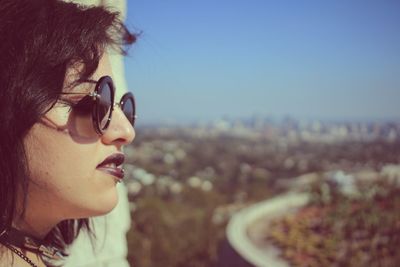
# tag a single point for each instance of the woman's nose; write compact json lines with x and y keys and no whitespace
{"x":120,"y":130}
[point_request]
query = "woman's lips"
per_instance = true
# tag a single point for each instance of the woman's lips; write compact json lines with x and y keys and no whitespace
{"x":117,"y":172}
{"x":113,"y":165}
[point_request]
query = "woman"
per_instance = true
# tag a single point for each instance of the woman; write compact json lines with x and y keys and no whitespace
{"x":61,"y":131}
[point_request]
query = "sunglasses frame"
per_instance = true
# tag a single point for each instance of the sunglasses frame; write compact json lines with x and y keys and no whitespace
{"x":96,"y":95}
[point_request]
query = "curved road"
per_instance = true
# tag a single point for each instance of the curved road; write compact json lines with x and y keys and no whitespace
{"x":244,"y":223}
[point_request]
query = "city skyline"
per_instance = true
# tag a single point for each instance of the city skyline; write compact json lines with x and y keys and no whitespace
{"x":201,"y":61}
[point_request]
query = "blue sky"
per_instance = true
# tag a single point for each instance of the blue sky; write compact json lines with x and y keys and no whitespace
{"x":201,"y":60}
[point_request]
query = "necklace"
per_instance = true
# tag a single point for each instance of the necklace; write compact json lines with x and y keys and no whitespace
{"x":20,"y":254}
{"x":13,"y":238}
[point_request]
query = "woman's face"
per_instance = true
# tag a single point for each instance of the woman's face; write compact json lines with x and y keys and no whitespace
{"x":63,"y":153}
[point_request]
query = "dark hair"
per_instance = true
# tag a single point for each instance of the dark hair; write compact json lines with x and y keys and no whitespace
{"x":40,"y":40}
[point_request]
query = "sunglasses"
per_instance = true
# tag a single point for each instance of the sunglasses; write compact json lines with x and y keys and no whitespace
{"x":100,"y":103}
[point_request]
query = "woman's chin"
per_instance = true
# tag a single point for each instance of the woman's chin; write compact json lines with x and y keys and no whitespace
{"x":101,"y":206}
{"x":107,"y":204}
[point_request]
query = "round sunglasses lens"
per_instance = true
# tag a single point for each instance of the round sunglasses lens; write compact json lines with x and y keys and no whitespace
{"x":128,"y":107}
{"x":104,"y":106}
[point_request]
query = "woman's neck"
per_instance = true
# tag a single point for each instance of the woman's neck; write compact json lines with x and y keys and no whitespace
{"x":35,"y":229}
{"x":37,"y":217}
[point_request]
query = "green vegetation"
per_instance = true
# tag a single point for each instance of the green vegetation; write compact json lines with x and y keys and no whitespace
{"x":199,"y":178}
{"x":175,"y":232}
{"x":336,"y":229}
